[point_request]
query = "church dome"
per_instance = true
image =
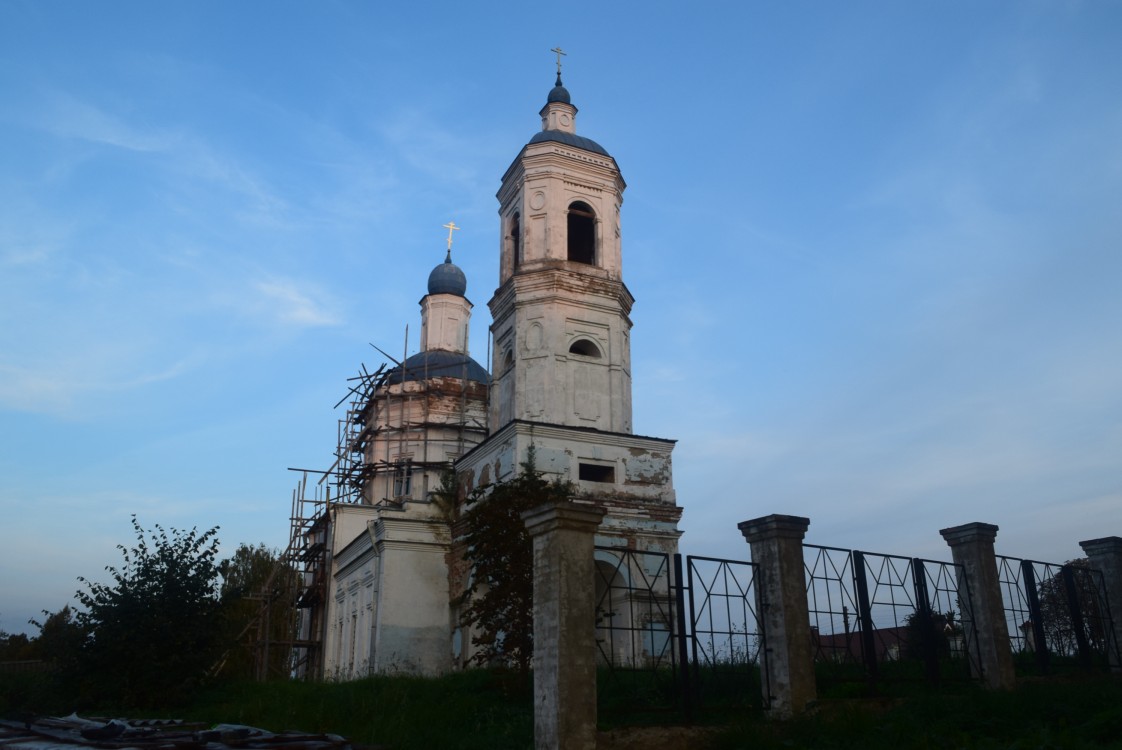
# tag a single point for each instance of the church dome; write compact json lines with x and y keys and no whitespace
{"x":558,"y":94}
{"x":437,"y":363}
{"x":447,"y":278}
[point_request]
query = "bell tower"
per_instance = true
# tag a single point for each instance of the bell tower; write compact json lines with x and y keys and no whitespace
{"x":561,"y":313}
{"x":561,"y":370}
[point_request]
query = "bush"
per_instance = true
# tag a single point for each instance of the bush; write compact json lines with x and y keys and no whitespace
{"x":153,"y":633}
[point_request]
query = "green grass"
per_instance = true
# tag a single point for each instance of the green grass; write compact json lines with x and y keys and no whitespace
{"x":1064,"y":715}
{"x":493,"y":711}
{"x":469,"y":710}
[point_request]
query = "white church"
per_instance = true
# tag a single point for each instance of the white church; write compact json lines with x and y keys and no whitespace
{"x":383,"y":573}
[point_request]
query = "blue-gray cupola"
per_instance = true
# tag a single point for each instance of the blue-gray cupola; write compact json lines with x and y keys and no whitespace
{"x":559,"y":114}
{"x":448,"y":278}
{"x":445,"y":311}
{"x":559,"y":93}
{"x":559,"y":122}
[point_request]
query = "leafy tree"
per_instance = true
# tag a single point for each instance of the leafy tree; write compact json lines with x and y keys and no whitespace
{"x":60,"y":637}
{"x":1055,"y":610}
{"x":15,"y":646}
{"x":258,"y":597}
{"x":154,"y":631}
{"x":499,"y":600}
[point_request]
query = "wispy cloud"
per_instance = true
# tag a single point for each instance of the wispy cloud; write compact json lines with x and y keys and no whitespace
{"x":67,"y":116}
{"x":57,"y":388}
{"x":287,"y":302}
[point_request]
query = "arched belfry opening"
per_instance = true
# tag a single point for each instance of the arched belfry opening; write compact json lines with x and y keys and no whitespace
{"x":585,"y":348}
{"x":516,"y":240}
{"x":582,"y":233}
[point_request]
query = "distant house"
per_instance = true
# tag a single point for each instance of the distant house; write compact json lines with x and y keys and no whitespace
{"x":890,"y":644}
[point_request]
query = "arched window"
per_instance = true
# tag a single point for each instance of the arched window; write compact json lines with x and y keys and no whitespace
{"x":508,"y":361}
{"x":582,"y":233}
{"x":516,"y":240}
{"x":585,"y":348}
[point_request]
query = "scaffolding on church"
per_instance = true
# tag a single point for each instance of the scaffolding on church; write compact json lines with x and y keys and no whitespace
{"x":348,"y":481}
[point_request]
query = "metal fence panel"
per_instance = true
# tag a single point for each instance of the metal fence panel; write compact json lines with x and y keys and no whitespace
{"x":1057,"y":615}
{"x":879,"y":618}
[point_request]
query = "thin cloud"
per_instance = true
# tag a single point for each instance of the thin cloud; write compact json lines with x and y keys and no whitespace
{"x":283,"y":300}
{"x":55,"y":389}
{"x":67,"y":116}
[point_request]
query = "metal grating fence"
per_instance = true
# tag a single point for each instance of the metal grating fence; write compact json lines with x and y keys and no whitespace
{"x":1057,"y":615}
{"x":885,"y":618}
{"x":676,"y":632}
{"x":725,"y":637}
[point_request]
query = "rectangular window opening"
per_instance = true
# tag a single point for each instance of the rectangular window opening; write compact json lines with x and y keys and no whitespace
{"x":597,"y":473}
{"x":402,"y":479}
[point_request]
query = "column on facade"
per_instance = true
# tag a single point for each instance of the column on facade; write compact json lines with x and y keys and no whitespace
{"x":787,"y":663}
{"x":1105,"y":555}
{"x":980,"y":599}
{"x":564,"y":625}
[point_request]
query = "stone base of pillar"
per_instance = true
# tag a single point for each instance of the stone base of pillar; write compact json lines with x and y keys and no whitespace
{"x":564,"y":625}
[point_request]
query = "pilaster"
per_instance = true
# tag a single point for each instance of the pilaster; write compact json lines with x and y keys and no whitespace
{"x":988,"y":642}
{"x":787,"y":663}
{"x":1105,"y":555}
{"x":564,"y":632}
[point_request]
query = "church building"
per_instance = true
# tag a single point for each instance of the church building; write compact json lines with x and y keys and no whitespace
{"x":385,"y":577}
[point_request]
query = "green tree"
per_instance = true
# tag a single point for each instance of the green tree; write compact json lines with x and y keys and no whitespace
{"x":152,"y":633}
{"x":60,"y":637}
{"x":499,"y":600}
{"x":258,"y":595}
{"x":1055,"y":609}
{"x":15,"y":646}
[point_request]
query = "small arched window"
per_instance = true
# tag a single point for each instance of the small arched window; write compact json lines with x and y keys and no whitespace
{"x":582,"y":233}
{"x":585,"y":348}
{"x":508,"y":361}
{"x":516,"y":240}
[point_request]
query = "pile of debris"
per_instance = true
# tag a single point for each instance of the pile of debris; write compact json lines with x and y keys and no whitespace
{"x":123,"y":734}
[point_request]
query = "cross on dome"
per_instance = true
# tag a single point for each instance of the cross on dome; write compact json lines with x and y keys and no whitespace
{"x":451,"y":227}
{"x":559,"y":52}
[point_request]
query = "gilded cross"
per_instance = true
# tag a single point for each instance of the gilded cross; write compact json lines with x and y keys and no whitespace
{"x":451,"y":227}
{"x":559,"y":52}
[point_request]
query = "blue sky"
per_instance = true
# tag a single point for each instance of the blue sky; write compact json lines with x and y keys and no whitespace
{"x":876,"y":248}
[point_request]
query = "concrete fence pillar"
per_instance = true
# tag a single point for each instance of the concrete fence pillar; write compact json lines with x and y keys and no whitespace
{"x":564,"y":625}
{"x":787,"y":662}
{"x":1106,"y":555}
{"x":988,"y":640}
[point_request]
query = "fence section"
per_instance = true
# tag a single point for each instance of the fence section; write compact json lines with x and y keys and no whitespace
{"x":885,"y":618}
{"x":1058,"y":616}
{"x":676,"y":633}
{"x":635,"y":629}
{"x":724,"y":636}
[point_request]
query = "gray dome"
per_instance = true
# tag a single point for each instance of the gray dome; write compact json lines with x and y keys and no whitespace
{"x":569,"y":139}
{"x":447,"y":278}
{"x":437,"y":364}
{"x":558,"y":94}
